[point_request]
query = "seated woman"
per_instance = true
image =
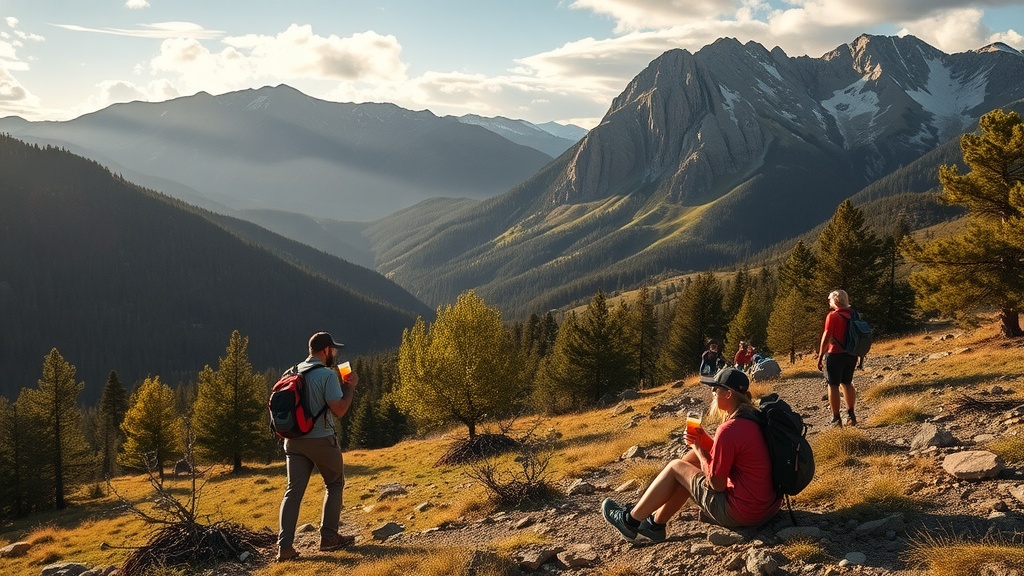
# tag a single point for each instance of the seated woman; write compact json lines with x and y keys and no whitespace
{"x":728,"y":478}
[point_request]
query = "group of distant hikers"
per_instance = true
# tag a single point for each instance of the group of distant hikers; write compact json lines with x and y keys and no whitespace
{"x":731,"y":478}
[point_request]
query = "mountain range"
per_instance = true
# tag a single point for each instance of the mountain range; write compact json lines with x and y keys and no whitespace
{"x":705,"y":160}
{"x":117,"y":277}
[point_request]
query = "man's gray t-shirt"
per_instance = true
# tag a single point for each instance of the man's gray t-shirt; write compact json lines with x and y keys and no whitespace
{"x":322,"y":386}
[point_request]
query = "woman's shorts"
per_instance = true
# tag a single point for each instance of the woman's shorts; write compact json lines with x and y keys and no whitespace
{"x":839,"y":368}
{"x":711,"y":503}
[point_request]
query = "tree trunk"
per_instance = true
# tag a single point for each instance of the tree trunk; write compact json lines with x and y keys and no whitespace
{"x":237,"y":464}
{"x":1010,"y":318}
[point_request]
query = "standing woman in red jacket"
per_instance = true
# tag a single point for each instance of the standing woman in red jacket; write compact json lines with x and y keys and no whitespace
{"x":832,"y":357}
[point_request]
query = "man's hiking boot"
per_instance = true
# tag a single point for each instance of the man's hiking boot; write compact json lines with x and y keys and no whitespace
{"x":616,"y":516}
{"x":286,"y":554}
{"x":851,"y":418}
{"x":837,"y":422}
{"x":650,"y":531}
{"x":336,"y":541}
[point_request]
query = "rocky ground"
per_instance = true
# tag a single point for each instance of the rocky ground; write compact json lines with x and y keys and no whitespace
{"x":864,"y":542}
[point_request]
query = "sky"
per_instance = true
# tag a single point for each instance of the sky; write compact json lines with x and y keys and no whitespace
{"x":537,"y":60}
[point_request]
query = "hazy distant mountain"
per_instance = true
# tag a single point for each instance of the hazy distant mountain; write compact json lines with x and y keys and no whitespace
{"x":120,"y":278}
{"x":705,"y":158}
{"x":551,"y":138}
{"x":278,"y":149}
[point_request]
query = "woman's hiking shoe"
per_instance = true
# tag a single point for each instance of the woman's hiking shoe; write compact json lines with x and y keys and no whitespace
{"x":837,"y":422}
{"x":616,"y":516}
{"x":650,"y":531}
{"x":851,"y":418}
{"x":336,"y":541}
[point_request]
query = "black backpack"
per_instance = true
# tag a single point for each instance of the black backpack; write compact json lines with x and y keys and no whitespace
{"x":858,"y":335}
{"x":289,"y":405}
{"x":790,"y":452}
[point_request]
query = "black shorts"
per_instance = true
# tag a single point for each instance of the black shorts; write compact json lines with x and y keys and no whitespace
{"x":839,"y":368}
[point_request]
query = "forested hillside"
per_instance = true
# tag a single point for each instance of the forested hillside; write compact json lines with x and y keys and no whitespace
{"x":120,"y":278}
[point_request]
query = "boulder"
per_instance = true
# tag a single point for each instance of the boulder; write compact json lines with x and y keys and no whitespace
{"x":387,"y":530}
{"x":932,"y":435}
{"x":14,"y":550}
{"x":973,"y":465}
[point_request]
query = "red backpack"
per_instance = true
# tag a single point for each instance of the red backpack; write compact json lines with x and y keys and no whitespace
{"x":289,"y":405}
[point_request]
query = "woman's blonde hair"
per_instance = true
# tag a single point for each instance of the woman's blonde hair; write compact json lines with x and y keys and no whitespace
{"x":841,"y":298}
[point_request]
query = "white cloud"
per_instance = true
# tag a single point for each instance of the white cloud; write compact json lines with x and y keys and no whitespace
{"x":136,"y":4}
{"x":155,"y":30}
{"x":11,"y":21}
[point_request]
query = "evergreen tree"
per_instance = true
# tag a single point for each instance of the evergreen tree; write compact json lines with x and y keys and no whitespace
{"x":794,"y":324}
{"x":152,"y":427}
{"x":984,"y":264}
{"x":113,"y":405}
{"x":595,"y":353}
{"x":751,"y":321}
{"x":11,"y":489}
{"x":896,"y":305}
{"x":698,"y":318}
{"x":797,"y":272}
{"x":462,"y":369}
{"x":641,"y":337}
{"x":735,"y":294}
{"x":59,"y":432}
{"x":556,"y":389}
{"x":849,"y":257}
{"x":229,"y":414}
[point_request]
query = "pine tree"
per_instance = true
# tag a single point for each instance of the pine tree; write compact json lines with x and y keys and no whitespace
{"x":229,"y":414}
{"x":797,"y":272}
{"x":983,"y":265}
{"x":113,"y":405}
{"x":556,"y":388}
{"x":794,"y":324}
{"x":59,"y":435}
{"x":463,"y":369}
{"x":595,"y":353}
{"x":896,"y":303}
{"x":751,"y":321}
{"x":735,"y":294}
{"x":152,"y":427}
{"x":849,"y":257}
{"x":699,"y":317}
{"x":641,"y":337}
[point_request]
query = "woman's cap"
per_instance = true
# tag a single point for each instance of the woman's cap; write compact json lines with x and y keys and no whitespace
{"x":728,"y":377}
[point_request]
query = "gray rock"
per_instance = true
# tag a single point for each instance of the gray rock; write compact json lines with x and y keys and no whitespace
{"x":723,"y":537}
{"x":854,"y":558}
{"x":14,"y":550}
{"x":534,"y":559}
{"x":932,"y":435}
{"x":702,"y":549}
{"x":760,"y":562}
{"x":424,"y":506}
{"x":634,"y":452}
{"x":66,"y":569}
{"x":973,"y":465}
{"x":1017,"y":492}
{"x":630,"y":394}
{"x":525,"y":522}
{"x":881,"y":526}
{"x":622,"y":408}
{"x":579,"y":556}
{"x":393,"y":490}
{"x":799,"y":533}
{"x":387,"y":530}
{"x":580,"y":486}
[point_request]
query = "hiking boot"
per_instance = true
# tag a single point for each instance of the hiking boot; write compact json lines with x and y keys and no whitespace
{"x":286,"y":554}
{"x":837,"y":422}
{"x":851,"y":418}
{"x":335,"y":541}
{"x":616,"y":516}
{"x":652,"y":533}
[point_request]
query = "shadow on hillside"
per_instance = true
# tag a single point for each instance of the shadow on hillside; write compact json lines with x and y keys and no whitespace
{"x":887,"y":546}
{"x":897,"y":389}
{"x":583,"y":440}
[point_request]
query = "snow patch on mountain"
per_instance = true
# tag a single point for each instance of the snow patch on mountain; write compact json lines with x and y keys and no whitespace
{"x":730,"y":100}
{"x":854,"y":109}
{"x":949,"y":98}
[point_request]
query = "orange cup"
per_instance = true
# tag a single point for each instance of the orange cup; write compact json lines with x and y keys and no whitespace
{"x":344,"y":369}
{"x":693,"y":425}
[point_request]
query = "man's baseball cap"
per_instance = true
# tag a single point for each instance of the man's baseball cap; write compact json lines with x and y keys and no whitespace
{"x":322,"y":340}
{"x":729,"y":377}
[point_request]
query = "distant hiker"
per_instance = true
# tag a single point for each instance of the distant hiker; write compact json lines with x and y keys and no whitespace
{"x":728,"y":478}
{"x":710,"y":359}
{"x":832,"y":357}
{"x":317,"y":448}
{"x":743,"y":356}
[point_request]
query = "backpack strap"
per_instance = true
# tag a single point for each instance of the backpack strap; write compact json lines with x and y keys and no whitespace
{"x":305,"y":389}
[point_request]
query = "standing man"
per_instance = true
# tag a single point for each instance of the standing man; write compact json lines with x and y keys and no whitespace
{"x":317,"y":448}
{"x":832,"y":357}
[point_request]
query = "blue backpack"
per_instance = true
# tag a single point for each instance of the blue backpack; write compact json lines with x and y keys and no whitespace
{"x":858,"y":335}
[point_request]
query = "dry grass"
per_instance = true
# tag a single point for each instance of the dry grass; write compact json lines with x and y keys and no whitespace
{"x":1010,"y":447}
{"x":508,"y":546}
{"x":957,"y":556}
{"x":643,"y":471}
{"x":902,"y":409}
{"x":853,"y":472}
{"x":805,"y":550}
